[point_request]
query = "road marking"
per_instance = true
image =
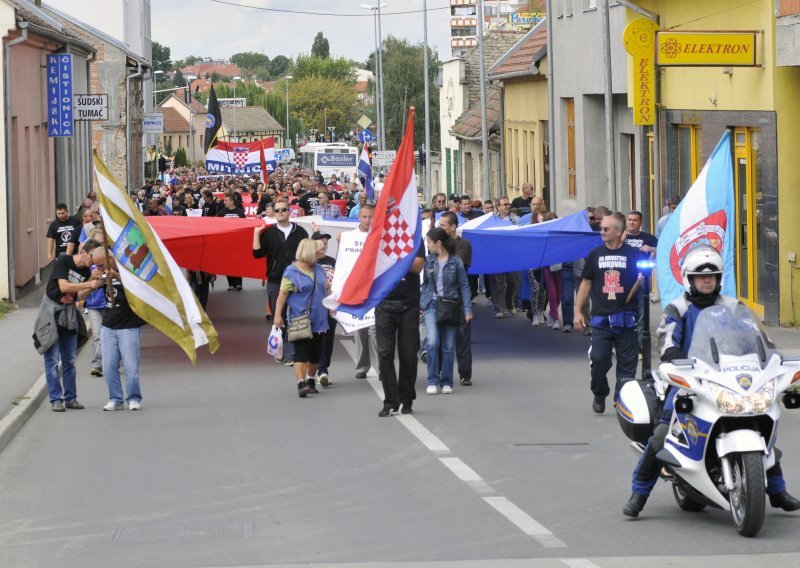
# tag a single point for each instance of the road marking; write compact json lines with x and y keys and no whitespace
{"x":524,"y":522}
{"x":579,"y":563}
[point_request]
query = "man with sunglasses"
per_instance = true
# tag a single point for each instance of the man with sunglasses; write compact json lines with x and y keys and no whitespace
{"x":609,"y":276}
{"x":439,"y":203}
{"x":278,"y":242}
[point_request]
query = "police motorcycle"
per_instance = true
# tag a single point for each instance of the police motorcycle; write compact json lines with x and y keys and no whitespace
{"x":721,"y":437}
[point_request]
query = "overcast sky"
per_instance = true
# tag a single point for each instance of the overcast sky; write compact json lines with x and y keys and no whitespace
{"x":206,"y":28}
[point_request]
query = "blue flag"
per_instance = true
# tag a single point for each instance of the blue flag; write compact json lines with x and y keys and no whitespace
{"x":365,"y":169}
{"x":704,"y":217}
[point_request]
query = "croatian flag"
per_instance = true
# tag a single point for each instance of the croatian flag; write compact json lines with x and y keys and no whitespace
{"x":241,"y":157}
{"x":704,"y":217}
{"x":393,"y":240}
{"x":365,"y":169}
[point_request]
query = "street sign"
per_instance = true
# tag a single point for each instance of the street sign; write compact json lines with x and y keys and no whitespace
{"x":383,"y":159}
{"x":284,"y":154}
{"x":364,"y":121}
{"x":90,"y":107}
{"x":153,"y":123}
{"x":366,"y":136}
{"x":60,"y":118}
{"x":231,"y":102}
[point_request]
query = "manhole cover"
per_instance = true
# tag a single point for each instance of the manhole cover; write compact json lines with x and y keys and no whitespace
{"x":151,"y":533}
{"x":577,"y":447}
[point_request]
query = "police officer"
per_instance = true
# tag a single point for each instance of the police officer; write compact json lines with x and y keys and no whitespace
{"x":702,"y":278}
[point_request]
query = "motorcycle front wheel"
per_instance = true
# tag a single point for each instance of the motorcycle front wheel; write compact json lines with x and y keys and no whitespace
{"x":685,"y":502}
{"x":747,"y":497}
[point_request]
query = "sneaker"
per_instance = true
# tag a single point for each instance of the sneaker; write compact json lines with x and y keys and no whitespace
{"x":74,"y":404}
{"x":406,"y":409}
{"x":567,"y":329}
{"x":239,"y":288}
{"x":302,"y":389}
{"x":324,"y":380}
{"x":388,"y":410}
{"x":549,"y":321}
{"x":447,"y":389}
{"x":111,"y":405}
{"x":499,"y":315}
{"x":361,"y":374}
{"x":466,"y":381}
{"x":312,"y":384}
{"x":231,"y":288}
{"x":513,"y":311}
{"x":279,"y":361}
{"x":535,"y":321}
{"x":288,"y":363}
{"x":58,"y":406}
{"x":433,"y":389}
{"x":599,"y":404}
{"x":96,"y":372}
{"x":134,"y":405}
{"x":556,"y":325}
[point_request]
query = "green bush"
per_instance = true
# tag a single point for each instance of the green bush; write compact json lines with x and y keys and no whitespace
{"x":180,"y":158}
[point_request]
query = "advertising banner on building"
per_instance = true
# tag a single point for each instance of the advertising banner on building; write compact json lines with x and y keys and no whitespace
{"x":706,"y":49}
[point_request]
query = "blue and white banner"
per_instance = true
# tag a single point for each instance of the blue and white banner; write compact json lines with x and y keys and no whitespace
{"x":706,"y":216}
{"x":60,"y":120}
{"x":365,"y":170}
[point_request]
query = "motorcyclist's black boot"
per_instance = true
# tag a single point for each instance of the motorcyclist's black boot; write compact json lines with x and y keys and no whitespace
{"x":784,"y":501}
{"x":634,"y":505}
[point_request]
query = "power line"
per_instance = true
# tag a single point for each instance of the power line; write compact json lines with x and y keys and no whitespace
{"x":337,"y":15}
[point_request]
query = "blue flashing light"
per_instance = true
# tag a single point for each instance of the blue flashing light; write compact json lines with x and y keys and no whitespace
{"x":645,"y":264}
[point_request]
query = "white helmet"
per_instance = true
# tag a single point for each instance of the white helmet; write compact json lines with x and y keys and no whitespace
{"x":703,"y":259}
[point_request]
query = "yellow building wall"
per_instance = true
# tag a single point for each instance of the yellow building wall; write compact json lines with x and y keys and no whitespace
{"x":525,"y":107}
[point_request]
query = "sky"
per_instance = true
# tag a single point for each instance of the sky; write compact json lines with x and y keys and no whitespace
{"x":212,"y":29}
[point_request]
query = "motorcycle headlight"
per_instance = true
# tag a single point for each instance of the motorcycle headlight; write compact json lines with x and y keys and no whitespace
{"x":762,"y":399}
{"x":727,"y":401}
{"x":731,"y":402}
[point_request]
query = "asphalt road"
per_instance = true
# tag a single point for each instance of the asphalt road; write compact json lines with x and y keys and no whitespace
{"x":226,"y":466}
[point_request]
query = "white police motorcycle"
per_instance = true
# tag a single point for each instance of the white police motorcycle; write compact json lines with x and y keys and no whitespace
{"x":721,"y":437}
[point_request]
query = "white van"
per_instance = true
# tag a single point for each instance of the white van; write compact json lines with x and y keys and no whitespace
{"x":329,"y":158}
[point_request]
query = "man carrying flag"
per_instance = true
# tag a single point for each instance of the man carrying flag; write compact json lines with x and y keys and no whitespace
{"x":386,"y":277}
{"x":365,"y":170}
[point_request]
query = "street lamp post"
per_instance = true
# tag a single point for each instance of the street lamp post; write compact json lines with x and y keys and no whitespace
{"x":288,"y":143}
{"x":235,"y":103}
{"x":155,"y":136}
{"x":189,"y":79}
{"x":427,"y":190}
{"x":377,"y":65}
{"x":485,"y":190}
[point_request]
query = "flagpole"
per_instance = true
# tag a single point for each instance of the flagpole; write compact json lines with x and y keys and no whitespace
{"x":109,"y":287}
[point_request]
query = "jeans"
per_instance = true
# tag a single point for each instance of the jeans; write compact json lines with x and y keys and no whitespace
{"x":567,"y":294}
{"x":464,"y":349}
{"x":96,"y":321}
{"x":400,"y":330}
{"x":626,"y":344}
{"x":65,"y":349}
{"x":327,"y":347}
{"x":273,"y":289}
{"x":437,"y":336}
{"x":122,"y":346}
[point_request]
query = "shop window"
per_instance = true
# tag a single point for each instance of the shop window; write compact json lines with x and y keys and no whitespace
{"x":688,"y":156}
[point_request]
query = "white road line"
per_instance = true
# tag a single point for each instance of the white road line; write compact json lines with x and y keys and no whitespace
{"x":579,"y":563}
{"x":467,"y":475}
{"x":524,"y":522}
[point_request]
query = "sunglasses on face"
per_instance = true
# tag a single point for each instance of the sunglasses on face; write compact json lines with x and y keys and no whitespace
{"x":281,"y":210}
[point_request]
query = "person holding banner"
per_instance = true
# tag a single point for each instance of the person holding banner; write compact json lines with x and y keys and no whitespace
{"x":328,"y":263}
{"x":303,"y":287}
{"x":444,"y":298}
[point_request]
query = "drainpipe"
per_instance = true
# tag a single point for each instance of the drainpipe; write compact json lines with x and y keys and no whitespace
{"x":503,"y":189}
{"x":551,"y":114}
{"x":128,"y":121}
{"x":12,"y":272}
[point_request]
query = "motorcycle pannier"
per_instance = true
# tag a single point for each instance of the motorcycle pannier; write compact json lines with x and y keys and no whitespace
{"x":637,"y":409}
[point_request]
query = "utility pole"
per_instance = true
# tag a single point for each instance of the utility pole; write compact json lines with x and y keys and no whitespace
{"x":380,"y":68}
{"x":485,"y":193}
{"x":609,"y":111}
{"x":427,"y":189}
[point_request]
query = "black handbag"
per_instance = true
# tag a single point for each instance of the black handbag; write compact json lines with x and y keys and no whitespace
{"x":300,"y":325}
{"x":448,"y":311}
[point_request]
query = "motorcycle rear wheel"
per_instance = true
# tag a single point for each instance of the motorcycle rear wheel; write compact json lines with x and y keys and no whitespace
{"x":685,"y":502}
{"x":747,"y":499}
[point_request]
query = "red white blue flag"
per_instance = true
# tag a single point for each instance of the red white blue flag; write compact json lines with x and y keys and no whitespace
{"x":392,"y":242}
{"x":241,"y":157}
{"x":704,"y":217}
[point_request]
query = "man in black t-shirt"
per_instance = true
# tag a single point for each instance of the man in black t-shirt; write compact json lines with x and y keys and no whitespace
{"x":231,"y":209}
{"x":59,"y":325}
{"x":62,"y":234}
{"x":523,"y":203}
{"x":209,"y":205}
{"x":120,"y":337}
{"x":397,"y":326}
{"x":611,"y":279}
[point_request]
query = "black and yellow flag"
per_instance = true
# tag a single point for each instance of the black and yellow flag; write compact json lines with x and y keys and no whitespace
{"x":214,"y":128}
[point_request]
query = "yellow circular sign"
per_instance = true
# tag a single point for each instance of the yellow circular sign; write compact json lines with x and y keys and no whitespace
{"x":639,"y":37}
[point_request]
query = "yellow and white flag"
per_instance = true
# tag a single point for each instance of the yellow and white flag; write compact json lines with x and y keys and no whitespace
{"x":154,"y":284}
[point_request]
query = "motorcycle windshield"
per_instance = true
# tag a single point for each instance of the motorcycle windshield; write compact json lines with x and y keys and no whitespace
{"x":732,"y":333}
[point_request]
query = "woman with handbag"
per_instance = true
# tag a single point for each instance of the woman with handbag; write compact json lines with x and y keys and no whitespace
{"x":445,"y":301}
{"x":303,"y":287}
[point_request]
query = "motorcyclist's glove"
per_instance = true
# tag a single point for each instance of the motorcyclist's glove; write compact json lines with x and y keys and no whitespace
{"x":671,"y":354}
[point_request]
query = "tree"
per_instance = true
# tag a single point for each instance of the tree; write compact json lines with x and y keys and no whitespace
{"x":279,"y":66}
{"x":320,"y":101}
{"x":339,"y":69}
{"x":250,"y":60}
{"x":403,"y":87}
{"x":180,"y":159}
{"x":161,"y":60}
{"x":321,"y":47}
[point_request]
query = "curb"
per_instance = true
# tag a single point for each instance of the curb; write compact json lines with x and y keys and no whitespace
{"x":19,"y":414}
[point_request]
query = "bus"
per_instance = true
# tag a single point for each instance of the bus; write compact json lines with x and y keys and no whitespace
{"x":330,"y":158}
